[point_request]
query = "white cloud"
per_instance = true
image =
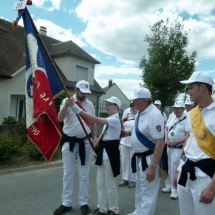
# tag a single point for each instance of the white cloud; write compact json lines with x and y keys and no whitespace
{"x":127,"y":79}
{"x":127,"y":86}
{"x":112,"y":70}
{"x":55,"y":4}
{"x":59,"y":33}
{"x":117,"y":28}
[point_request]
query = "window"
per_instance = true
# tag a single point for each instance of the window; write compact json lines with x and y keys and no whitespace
{"x":17,"y":108}
{"x":81,"y":73}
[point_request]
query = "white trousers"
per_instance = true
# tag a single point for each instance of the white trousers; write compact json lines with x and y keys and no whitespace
{"x":189,"y":197}
{"x":127,"y":153}
{"x":69,"y":159}
{"x":173,"y":160}
{"x":145,"y":192}
{"x":106,"y":188}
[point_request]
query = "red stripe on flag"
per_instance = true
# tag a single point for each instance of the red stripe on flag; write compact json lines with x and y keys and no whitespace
{"x":45,"y":132}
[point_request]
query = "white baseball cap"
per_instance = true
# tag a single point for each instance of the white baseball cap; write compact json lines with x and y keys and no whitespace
{"x":141,"y":93}
{"x":114,"y":100}
{"x":157,"y":102}
{"x":188,"y":102}
{"x":83,"y":86}
{"x":179,"y":104}
{"x":202,"y":77}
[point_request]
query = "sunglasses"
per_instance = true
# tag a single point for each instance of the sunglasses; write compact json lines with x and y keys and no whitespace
{"x":131,"y":105}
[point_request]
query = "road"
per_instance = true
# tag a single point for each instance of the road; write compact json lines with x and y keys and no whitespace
{"x":37,"y":191}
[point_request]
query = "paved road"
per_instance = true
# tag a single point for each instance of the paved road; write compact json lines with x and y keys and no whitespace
{"x":37,"y":190}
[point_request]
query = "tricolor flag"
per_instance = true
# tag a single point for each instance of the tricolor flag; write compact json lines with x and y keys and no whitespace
{"x":42,"y":84}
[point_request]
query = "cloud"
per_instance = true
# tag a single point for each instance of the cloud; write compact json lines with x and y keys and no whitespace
{"x":117,"y":28}
{"x":127,"y":79}
{"x":114,"y":71}
{"x":55,"y":4}
{"x":127,"y":86}
{"x":59,"y":33}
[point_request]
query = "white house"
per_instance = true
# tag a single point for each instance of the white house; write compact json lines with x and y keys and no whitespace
{"x":113,"y":90}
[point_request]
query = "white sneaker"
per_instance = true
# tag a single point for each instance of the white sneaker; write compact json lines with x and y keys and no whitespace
{"x":166,"y":190}
{"x":173,"y":196}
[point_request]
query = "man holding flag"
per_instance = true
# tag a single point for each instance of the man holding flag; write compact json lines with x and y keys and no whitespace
{"x":76,"y":146}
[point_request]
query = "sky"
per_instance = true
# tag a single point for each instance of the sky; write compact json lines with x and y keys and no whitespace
{"x":113,"y":31}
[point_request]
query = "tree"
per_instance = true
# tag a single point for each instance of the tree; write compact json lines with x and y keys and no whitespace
{"x":167,"y":62}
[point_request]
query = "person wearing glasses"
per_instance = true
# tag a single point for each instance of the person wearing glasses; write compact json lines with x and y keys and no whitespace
{"x":108,"y":156}
{"x":175,"y":139}
{"x":128,"y":178}
{"x":147,"y":141}
{"x":74,"y":145}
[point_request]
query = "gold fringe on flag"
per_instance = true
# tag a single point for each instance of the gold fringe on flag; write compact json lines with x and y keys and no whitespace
{"x":163,"y":174}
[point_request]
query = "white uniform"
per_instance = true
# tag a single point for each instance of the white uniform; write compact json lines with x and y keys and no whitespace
{"x":126,"y":151}
{"x":164,"y":116}
{"x":106,"y":186}
{"x":126,"y":111}
{"x":151,"y":124}
{"x":175,"y":134}
{"x":71,"y":128}
{"x":189,"y":196}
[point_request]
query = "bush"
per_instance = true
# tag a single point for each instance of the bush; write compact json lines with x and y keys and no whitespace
{"x":8,"y":145}
{"x":10,"y":120}
{"x":103,"y":114}
{"x":32,"y":150}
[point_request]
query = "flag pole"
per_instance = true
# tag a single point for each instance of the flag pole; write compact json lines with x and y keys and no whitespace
{"x":64,"y":87}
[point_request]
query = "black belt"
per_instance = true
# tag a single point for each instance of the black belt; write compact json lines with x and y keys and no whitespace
{"x":178,"y":147}
{"x":143,"y":158}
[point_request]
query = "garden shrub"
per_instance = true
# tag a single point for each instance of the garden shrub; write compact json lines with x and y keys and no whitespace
{"x":32,"y":150}
{"x":34,"y":153}
{"x":8,"y":145}
{"x":10,"y":120}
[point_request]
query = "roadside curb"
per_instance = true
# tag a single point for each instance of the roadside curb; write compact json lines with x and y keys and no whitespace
{"x":36,"y":167}
{"x":32,"y":167}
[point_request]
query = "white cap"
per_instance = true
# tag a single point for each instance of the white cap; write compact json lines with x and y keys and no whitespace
{"x":114,"y":100}
{"x":141,"y":93}
{"x":202,"y":77}
{"x":179,"y":104}
{"x":83,"y":86}
{"x":157,"y":102}
{"x":188,"y":102}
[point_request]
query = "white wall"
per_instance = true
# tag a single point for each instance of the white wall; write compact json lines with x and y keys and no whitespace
{"x":114,"y":91}
{"x":8,"y":87}
{"x":67,"y":64}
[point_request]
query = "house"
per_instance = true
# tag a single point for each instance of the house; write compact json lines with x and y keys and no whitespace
{"x":113,"y":90}
{"x":73,"y":63}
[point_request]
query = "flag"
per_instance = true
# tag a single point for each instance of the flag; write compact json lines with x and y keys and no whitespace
{"x":42,"y":84}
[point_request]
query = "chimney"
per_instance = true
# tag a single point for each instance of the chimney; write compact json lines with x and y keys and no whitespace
{"x":110,"y":82}
{"x":43,"y":30}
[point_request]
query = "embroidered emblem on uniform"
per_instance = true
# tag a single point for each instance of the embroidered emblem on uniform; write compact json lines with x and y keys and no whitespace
{"x":158,"y":127}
